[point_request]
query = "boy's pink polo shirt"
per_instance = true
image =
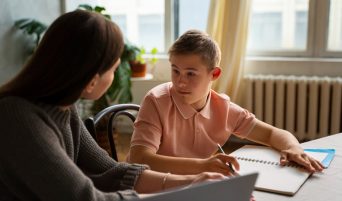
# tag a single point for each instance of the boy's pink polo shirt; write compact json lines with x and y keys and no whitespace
{"x":169,"y":127}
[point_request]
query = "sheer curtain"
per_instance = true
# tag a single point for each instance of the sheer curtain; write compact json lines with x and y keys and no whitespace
{"x":228,"y":25}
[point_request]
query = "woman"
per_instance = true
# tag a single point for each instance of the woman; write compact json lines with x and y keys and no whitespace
{"x":46,"y":153}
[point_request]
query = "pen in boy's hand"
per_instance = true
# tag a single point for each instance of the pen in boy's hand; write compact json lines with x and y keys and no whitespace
{"x":229,"y":163}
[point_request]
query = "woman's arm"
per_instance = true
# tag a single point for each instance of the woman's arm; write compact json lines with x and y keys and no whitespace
{"x":285,"y":142}
{"x":158,"y":181}
{"x":180,"y":165}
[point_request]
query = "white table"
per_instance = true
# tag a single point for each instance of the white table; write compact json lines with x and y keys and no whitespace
{"x":320,"y":187}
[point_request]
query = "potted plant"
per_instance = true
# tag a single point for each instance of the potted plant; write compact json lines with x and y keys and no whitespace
{"x":139,"y":64}
{"x":31,"y":27}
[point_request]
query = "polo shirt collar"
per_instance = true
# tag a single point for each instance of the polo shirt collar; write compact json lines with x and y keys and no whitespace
{"x":187,"y":111}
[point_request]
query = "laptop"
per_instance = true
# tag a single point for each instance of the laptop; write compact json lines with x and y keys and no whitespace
{"x":236,"y":189}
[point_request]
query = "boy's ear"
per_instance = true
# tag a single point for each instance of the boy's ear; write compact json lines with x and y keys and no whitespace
{"x":216,"y":72}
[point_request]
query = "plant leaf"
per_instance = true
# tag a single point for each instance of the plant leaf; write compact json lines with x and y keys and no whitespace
{"x":154,"y":51}
{"x":107,"y":16}
{"x":22,"y":23}
{"x":99,"y":9}
{"x":86,"y":7}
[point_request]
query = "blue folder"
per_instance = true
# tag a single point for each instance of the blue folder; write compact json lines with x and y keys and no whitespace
{"x":326,"y":161}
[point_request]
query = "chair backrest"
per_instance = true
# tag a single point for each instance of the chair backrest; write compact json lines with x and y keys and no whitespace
{"x":111,"y":112}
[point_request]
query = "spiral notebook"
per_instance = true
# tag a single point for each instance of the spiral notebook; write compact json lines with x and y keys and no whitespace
{"x":272,"y":176}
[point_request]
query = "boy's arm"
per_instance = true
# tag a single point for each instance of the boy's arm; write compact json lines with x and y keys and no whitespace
{"x":180,"y":165}
{"x":285,"y":142}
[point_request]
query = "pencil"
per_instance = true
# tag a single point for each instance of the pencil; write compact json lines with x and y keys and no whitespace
{"x":229,"y":163}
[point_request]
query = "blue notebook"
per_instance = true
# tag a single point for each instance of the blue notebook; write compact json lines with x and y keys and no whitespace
{"x":327,"y":160}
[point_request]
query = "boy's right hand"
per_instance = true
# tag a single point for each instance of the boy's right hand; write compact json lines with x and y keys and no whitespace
{"x":219,"y":163}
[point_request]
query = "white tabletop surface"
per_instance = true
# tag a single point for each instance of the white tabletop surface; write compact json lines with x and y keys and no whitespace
{"x":320,"y":186}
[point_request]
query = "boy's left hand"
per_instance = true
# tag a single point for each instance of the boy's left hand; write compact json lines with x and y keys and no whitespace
{"x":297,"y":155}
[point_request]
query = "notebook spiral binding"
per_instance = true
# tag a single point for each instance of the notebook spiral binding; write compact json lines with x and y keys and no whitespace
{"x":291,"y":164}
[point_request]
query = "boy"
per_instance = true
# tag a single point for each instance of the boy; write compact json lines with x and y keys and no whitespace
{"x":180,"y":123}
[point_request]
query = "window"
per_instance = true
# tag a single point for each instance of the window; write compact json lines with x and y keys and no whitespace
{"x":296,"y":28}
{"x":152,"y":23}
{"x":141,"y":21}
{"x":305,"y":28}
{"x":151,"y":32}
{"x":192,"y":14}
{"x":278,"y":25}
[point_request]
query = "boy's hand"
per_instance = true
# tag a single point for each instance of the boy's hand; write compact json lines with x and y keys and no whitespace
{"x":297,"y":154}
{"x":219,"y":163}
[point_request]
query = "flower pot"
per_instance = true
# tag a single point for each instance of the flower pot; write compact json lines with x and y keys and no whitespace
{"x":138,"y":69}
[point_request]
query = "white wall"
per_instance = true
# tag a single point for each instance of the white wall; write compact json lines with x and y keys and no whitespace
{"x":278,"y":66}
{"x":331,"y":67}
{"x":13,"y":44}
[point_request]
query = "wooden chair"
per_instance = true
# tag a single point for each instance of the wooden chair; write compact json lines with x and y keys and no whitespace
{"x":111,"y":112}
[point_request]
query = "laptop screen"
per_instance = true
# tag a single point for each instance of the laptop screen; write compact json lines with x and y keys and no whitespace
{"x":237,"y":188}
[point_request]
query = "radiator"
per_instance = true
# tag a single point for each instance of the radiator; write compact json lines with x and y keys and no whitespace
{"x":308,"y":107}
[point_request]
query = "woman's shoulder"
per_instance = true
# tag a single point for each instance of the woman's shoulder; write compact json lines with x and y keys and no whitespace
{"x":18,"y":107}
{"x":18,"y":115}
{"x":15,"y":102}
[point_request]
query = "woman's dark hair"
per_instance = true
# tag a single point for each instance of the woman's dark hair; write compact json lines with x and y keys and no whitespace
{"x":76,"y":47}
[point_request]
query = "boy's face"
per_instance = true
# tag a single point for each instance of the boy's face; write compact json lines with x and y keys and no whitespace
{"x":191,"y":79}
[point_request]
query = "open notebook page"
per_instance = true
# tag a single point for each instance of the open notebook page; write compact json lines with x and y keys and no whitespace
{"x":272,"y":176}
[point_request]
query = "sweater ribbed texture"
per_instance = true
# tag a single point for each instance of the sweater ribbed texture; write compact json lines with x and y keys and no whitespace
{"x":47,"y":154}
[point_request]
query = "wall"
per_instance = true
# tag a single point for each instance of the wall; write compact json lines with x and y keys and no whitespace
{"x":253,"y":65}
{"x":331,"y":67}
{"x":14,"y":47}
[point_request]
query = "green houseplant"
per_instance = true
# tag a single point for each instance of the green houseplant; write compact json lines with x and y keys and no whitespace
{"x":139,"y":63}
{"x":31,"y":27}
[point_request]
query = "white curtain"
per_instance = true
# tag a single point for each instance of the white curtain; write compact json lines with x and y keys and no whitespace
{"x":228,"y":25}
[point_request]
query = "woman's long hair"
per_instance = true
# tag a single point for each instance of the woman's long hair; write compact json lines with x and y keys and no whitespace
{"x":77,"y":46}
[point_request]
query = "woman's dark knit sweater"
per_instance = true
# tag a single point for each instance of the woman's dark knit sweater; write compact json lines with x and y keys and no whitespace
{"x":47,"y":154}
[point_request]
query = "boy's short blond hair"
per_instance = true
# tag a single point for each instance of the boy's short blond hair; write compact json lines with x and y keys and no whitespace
{"x":198,"y":43}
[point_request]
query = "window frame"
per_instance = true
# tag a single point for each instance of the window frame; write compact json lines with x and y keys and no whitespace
{"x":322,"y":30}
{"x":169,"y":23}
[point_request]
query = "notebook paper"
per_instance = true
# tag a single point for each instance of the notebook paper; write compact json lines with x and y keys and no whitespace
{"x":272,"y":176}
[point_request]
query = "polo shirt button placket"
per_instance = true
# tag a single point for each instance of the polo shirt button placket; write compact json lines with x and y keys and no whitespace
{"x":197,"y":130}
